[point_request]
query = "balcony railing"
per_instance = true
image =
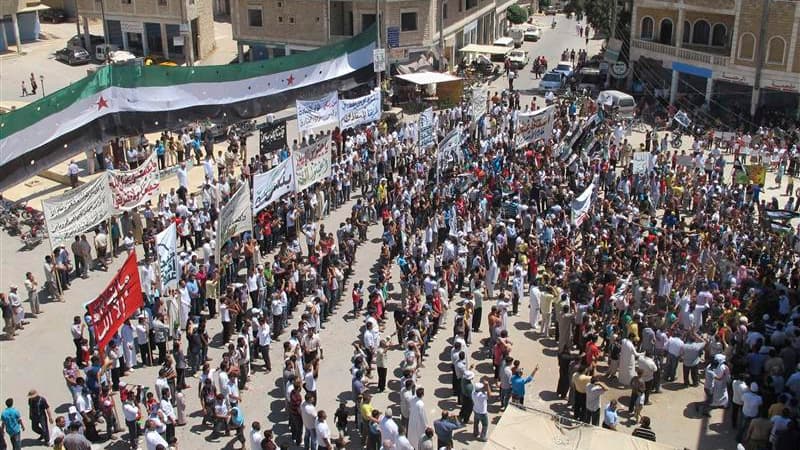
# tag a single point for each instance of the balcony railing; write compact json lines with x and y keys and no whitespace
{"x":683,"y":53}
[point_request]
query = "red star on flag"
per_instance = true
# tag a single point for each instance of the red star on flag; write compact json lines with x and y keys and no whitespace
{"x":102,"y":103}
{"x":290,"y":80}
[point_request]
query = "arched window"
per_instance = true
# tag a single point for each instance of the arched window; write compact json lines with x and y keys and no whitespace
{"x":665,"y":32}
{"x":701,"y":33}
{"x":687,"y":32}
{"x":747,"y":46}
{"x":719,"y":35}
{"x":646,"y":31}
{"x":776,"y":50}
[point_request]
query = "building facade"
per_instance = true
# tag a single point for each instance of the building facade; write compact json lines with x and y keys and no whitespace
{"x":155,"y":27}
{"x":19,"y":22}
{"x":409,"y":28}
{"x":728,"y":51}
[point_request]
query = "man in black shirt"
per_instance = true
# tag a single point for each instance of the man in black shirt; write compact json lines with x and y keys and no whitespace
{"x":644,"y":431}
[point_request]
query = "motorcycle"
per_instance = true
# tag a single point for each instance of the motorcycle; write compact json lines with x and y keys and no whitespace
{"x":32,"y":237}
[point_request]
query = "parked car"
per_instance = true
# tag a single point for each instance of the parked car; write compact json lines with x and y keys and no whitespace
{"x":518,"y":58}
{"x":77,"y":41}
{"x":565,"y":68}
{"x":551,"y":81}
{"x":53,"y":15}
{"x":532,"y":34}
{"x":73,"y":55}
{"x":103,"y":51}
{"x":552,"y":11}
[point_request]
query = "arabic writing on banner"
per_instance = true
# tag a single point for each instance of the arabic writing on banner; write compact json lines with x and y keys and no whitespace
{"x":425,"y":128}
{"x":318,"y":113}
{"x":360,"y":110}
{"x":581,"y":206}
{"x":120,"y":299}
{"x":167,"y":249}
{"x":272,"y":137}
{"x":534,"y":126}
{"x":77,"y":210}
{"x":480,"y":99}
{"x":643,"y":163}
{"x":312,"y":163}
{"x":270,"y":186}
{"x":235,"y":218}
{"x":131,"y":188}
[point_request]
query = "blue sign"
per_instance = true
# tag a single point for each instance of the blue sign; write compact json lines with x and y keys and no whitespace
{"x":691,"y":70}
{"x":393,"y":37}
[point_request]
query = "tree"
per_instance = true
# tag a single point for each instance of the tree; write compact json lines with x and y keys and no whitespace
{"x":517,"y":14}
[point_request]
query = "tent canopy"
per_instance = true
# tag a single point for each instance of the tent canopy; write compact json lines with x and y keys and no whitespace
{"x":487,"y":49}
{"x":427,"y":77}
{"x":530,"y":429}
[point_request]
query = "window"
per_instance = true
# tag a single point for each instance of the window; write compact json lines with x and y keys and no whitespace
{"x":280,"y":4}
{"x":776,"y":50}
{"x":280,"y":19}
{"x":719,"y":35}
{"x":291,"y":19}
{"x":367,"y":20}
{"x":408,"y":21}
{"x":162,"y":2}
{"x":254,"y":18}
{"x":701,"y":32}
{"x":647,"y":29}
{"x":747,"y":45}
{"x":665,"y":32}
{"x":444,"y":11}
{"x":125,"y":2}
{"x":460,"y":5}
{"x":687,"y":32}
{"x":471,"y":4}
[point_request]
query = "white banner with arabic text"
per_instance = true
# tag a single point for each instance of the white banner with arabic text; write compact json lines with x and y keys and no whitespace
{"x":270,"y":186}
{"x":534,"y":126}
{"x":131,"y":188}
{"x":235,"y":218}
{"x":77,"y":210}
{"x":480,"y":100}
{"x":312,"y":163}
{"x":167,"y":249}
{"x":581,"y":206}
{"x":360,"y":110}
{"x":318,"y":113}
{"x":425,"y":129}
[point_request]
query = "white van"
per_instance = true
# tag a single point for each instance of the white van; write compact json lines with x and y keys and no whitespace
{"x":518,"y":35}
{"x":103,"y":50}
{"x":617,"y":100}
{"x":504,"y":42}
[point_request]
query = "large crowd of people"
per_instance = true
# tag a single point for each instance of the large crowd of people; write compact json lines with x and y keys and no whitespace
{"x":681,"y":264}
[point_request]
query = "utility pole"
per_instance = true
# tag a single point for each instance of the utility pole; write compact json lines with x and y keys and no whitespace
{"x":105,"y":27}
{"x":441,"y":32}
{"x":378,"y":44}
{"x":188,"y":38}
{"x":612,"y":34}
{"x":755,"y":99}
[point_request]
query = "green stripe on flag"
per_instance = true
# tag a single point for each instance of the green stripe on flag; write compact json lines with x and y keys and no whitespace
{"x":130,"y":76}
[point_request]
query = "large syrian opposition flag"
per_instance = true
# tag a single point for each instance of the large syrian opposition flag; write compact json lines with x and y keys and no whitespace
{"x":126,"y":100}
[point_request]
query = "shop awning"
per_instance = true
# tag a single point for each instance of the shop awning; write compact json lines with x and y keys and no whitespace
{"x":38,"y":7}
{"x":487,"y":49}
{"x":427,"y":77}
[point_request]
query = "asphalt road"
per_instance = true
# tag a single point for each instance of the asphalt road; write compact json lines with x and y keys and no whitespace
{"x":34,"y":359}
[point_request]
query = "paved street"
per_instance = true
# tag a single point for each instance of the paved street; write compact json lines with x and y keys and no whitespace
{"x":34,"y":359}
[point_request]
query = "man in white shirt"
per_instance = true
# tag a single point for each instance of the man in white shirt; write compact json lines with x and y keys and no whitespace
{"x":594,"y":394}
{"x":152,"y":438}
{"x":751,"y":402}
{"x":256,"y":436}
{"x":323,"y":432}
{"x":264,"y":341}
{"x":183,"y":176}
{"x":371,"y":341}
{"x":309,"y":415}
{"x":480,"y":397}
